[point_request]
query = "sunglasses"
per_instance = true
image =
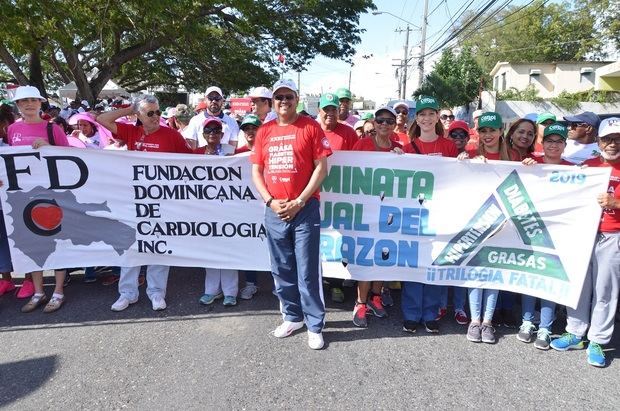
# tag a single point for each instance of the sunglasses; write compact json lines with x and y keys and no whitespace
{"x":388,"y":121}
{"x":608,"y":140}
{"x":212,"y":130}
{"x":280,"y":97}
{"x":446,"y":117}
{"x":577,"y":125}
{"x":153,"y":113}
{"x":402,"y":111}
{"x":459,"y":135}
{"x":550,"y":141}
{"x":214,"y":98}
{"x":370,"y":133}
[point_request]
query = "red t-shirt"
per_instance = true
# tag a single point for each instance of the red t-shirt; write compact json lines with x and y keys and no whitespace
{"x":342,"y":137}
{"x":368,"y":144}
{"x":287,"y":155}
{"x":402,"y":138}
{"x":610,"y":220}
{"x":514,"y":156}
{"x":242,"y":149}
{"x":442,"y":147}
{"x":164,"y":140}
{"x":541,"y":160}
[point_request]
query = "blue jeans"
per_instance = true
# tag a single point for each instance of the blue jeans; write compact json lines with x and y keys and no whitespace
{"x":528,"y":304}
{"x":419,"y":302}
{"x":294,"y":251}
{"x":458,"y":297}
{"x":479,"y":297}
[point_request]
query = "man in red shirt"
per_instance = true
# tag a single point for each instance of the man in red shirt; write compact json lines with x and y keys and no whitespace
{"x":152,"y":137}
{"x":340,"y":136}
{"x":599,"y":296}
{"x":289,"y":164}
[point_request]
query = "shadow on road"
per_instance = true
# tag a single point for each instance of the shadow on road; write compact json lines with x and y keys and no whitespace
{"x":24,"y":377}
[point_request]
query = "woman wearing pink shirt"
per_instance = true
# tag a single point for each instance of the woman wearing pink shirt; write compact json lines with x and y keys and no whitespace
{"x":34,"y":131}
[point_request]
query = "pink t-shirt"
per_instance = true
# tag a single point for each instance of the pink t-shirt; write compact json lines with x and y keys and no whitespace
{"x":24,"y":134}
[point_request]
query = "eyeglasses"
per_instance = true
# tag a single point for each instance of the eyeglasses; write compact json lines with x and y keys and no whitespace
{"x":388,"y":121}
{"x":459,"y":135}
{"x":280,"y":97}
{"x":402,"y":111}
{"x":576,"y":125}
{"x":606,"y":140}
{"x":549,"y":141}
{"x":212,"y":130}
{"x":370,"y":133}
{"x":214,"y":98}
{"x":153,"y":113}
{"x":446,"y":117}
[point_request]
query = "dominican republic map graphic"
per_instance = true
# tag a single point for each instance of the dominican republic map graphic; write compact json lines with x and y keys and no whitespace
{"x":42,"y":217}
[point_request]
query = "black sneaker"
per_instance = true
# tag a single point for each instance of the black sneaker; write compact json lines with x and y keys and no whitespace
{"x":431,"y":327}
{"x":410,"y":326}
{"x":359,"y":315}
{"x":498,"y":318}
{"x":509,"y":319}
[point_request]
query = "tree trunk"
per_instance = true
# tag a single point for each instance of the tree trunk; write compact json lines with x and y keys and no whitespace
{"x":84,"y":91}
{"x":36,"y":73}
{"x":7,"y":58}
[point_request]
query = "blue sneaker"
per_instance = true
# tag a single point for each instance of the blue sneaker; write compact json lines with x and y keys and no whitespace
{"x":230,"y":301}
{"x":209,"y":299}
{"x":596,"y":356}
{"x":567,"y":341}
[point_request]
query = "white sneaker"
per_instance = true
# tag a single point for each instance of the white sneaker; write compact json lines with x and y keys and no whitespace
{"x":248,"y":291}
{"x":286,"y":328}
{"x":158,"y":303}
{"x":122,"y":303}
{"x":315,"y":340}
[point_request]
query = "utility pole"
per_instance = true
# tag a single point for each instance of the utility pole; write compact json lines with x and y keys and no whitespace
{"x":423,"y":43}
{"x":405,"y":63}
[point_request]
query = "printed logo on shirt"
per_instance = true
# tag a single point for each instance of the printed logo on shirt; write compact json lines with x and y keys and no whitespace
{"x":281,"y":158}
{"x":325,"y":142}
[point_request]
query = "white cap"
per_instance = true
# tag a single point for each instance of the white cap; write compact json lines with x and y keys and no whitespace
{"x":285,"y":83}
{"x":609,"y":126}
{"x":27,"y":92}
{"x":212,"y":89}
{"x":477,"y":113}
{"x":359,"y":124}
{"x":260,"y":92}
{"x":385,"y":108}
{"x":401,"y":104}
{"x":85,"y":103}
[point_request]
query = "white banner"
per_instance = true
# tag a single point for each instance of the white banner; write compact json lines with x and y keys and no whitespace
{"x":384,"y":216}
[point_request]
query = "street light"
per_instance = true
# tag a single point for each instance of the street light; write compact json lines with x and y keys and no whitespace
{"x":422,"y":46}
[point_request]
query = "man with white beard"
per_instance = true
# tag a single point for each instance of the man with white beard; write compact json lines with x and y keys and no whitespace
{"x":599,"y":296}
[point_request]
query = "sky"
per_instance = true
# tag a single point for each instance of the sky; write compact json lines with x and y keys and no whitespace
{"x":372,"y":75}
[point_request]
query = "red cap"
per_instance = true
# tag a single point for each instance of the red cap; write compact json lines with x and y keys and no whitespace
{"x":458,"y":124}
{"x":210,"y":120}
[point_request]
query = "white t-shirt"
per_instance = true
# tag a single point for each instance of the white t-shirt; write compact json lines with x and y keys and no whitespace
{"x":193,"y":131}
{"x":577,"y":153}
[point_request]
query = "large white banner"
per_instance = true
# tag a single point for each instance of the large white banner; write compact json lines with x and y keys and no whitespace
{"x":384,"y":216}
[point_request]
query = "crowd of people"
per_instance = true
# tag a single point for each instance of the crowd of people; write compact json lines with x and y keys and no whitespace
{"x":278,"y":126}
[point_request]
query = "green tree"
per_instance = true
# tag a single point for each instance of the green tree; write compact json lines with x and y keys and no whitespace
{"x":540,"y":31}
{"x":455,"y":79}
{"x":234,"y":44}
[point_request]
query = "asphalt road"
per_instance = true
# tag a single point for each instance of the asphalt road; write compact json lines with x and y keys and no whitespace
{"x":194,"y":357}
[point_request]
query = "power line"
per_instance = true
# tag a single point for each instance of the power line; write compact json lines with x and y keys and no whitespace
{"x":461,"y":9}
{"x":459,"y":31}
{"x":491,"y":28}
{"x":436,"y":7}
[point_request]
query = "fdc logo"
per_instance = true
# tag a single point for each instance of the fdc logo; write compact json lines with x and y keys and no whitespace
{"x":488,"y":117}
{"x":43,"y":217}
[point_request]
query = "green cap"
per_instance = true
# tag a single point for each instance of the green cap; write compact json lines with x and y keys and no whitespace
{"x":328,"y":99}
{"x":423,"y":102}
{"x":251,"y":119}
{"x":490,"y":119}
{"x":558,"y":129}
{"x":367,"y":116}
{"x":344,"y":93}
{"x":544,"y":117}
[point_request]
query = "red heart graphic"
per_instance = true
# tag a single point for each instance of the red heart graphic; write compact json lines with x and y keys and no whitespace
{"x":47,"y":216}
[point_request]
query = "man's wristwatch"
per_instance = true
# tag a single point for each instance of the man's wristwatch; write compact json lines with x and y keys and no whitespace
{"x":301,"y":203}
{"x":268,"y":202}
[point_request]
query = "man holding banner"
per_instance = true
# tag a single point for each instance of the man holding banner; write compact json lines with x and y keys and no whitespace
{"x":599,"y":296}
{"x":288,"y":165}
{"x":152,"y":137}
